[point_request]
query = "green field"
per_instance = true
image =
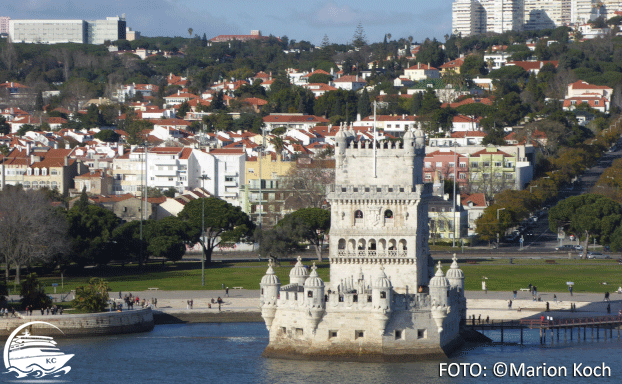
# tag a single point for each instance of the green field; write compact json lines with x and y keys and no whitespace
{"x":173,"y":277}
{"x":588,"y":275}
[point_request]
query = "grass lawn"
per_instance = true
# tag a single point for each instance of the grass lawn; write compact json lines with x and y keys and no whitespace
{"x":173,"y":277}
{"x":588,"y":275}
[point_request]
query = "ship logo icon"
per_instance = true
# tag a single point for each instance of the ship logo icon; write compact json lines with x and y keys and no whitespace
{"x":27,"y":355}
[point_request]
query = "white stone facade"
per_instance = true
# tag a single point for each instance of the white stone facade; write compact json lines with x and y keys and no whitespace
{"x":382,"y":302}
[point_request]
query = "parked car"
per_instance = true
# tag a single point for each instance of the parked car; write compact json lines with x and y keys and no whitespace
{"x":566,"y":248}
{"x":578,"y":247}
{"x":597,"y":255}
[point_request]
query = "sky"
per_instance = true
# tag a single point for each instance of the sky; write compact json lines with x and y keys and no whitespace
{"x":297,"y":20}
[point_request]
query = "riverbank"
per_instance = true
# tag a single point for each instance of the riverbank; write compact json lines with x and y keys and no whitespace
{"x":83,"y":325}
{"x":243,"y":305}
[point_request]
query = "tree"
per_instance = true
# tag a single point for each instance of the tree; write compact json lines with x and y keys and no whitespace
{"x":127,"y":244}
{"x":305,"y":184}
{"x":359,"y":39}
{"x":32,"y":231}
{"x":107,"y":135}
{"x":314,"y":224}
{"x":170,"y":192}
{"x":223,"y":223}
{"x":167,"y":238}
{"x":430,"y":102}
{"x":91,"y":229}
{"x":588,"y":215}
{"x":5,"y":128}
{"x":32,"y":293}
{"x":278,"y":242}
{"x":364,"y":104}
{"x":92,"y":297}
{"x":190,"y":30}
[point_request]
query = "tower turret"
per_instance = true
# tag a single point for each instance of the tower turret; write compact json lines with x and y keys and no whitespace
{"x":455,"y":276}
{"x":314,"y":298}
{"x":269,"y":294}
{"x":439,"y":285}
{"x":298,"y":274}
{"x":382,"y":297}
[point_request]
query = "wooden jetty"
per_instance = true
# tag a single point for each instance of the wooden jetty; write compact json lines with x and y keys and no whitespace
{"x":568,"y":326}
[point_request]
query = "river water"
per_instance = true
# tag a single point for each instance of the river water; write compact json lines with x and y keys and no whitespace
{"x":231,"y":353}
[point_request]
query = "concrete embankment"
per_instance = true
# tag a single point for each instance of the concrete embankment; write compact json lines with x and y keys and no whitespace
{"x":84,"y":325}
{"x":203,"y":316}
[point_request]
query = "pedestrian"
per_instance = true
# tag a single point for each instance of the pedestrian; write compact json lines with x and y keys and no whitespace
{"x":542,"y":319}
{"x":487,"y":319}
{"x":155,"y":302}
{"x":479,"y":319}
{"x":60,"y":310}
{"x":547,"y":306}
{"x":42,"y":311}
{"x":555,"y":298}
{"x":187,"y":304}
{"x":120,"y":296}
{"x":514,"y":292}
{"x":530,"y":287}
{"x":510,"y":304}
{"x":535,"y":290}
{"x":48,"y":311}
{"x":570,"y":289}
{"x":606,"y":296}
{"x":191,"y":303}
{"x":608,"y":308}
{"x":227,"y":292}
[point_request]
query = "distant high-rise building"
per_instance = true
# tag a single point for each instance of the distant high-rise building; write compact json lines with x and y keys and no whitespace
{"x":67,"y":31}
{"x":471,"y":17}
{"x":4,"y":24}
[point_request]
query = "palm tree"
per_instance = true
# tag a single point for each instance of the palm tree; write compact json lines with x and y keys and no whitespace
{"x":190,"y":30}
{"x":278,"y":143}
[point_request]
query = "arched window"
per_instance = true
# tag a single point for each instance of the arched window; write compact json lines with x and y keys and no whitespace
{"x":371,"y":245}
{"x":342,"y":244}
{"x":35,"y":184}
{"x":392,"y":245}
{"x":310,"y":294}
{"x":388,"y":214}
{"x":402,"y":245}
{"x":361,"y":245}
{"x":351,"y":245}
{"x":358,"y":214}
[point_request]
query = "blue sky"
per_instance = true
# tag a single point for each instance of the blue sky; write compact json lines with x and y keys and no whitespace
{"x":298,"y":20}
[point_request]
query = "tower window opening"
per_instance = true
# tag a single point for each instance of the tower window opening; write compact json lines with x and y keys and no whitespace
{"x":383,"y":295}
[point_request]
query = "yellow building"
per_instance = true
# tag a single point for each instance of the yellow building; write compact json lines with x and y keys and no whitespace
{"x":273,"y":168}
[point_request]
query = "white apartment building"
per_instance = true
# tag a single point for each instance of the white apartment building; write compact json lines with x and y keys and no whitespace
{"x":67,"y":31}
{"x":480,"y":16}
{"x":4,"y":25}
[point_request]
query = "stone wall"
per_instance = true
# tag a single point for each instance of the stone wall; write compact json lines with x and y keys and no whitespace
{"x":85,"y":325}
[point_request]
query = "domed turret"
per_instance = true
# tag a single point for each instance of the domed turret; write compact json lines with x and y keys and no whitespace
{"x":298,"y":274}
{"x":419,"y":140}
{"x":269,"y":294}
{"x":382,"y":296}
{"x":439,"y":285}
{"x":455,"y":276}
{"x":314,"y":298}
{"x":409,"y":142}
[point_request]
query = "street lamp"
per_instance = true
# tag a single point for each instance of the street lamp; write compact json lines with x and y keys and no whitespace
{"x":500,"y":209}
{"x":203,"y":177}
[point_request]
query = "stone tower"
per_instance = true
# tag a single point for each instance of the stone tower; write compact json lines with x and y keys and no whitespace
{"x":379,"y":214}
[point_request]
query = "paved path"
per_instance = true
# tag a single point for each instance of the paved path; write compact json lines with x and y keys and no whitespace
{"x":491,"y":304}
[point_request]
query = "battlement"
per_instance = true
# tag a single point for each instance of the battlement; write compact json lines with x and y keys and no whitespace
{"x":378,"y":192}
